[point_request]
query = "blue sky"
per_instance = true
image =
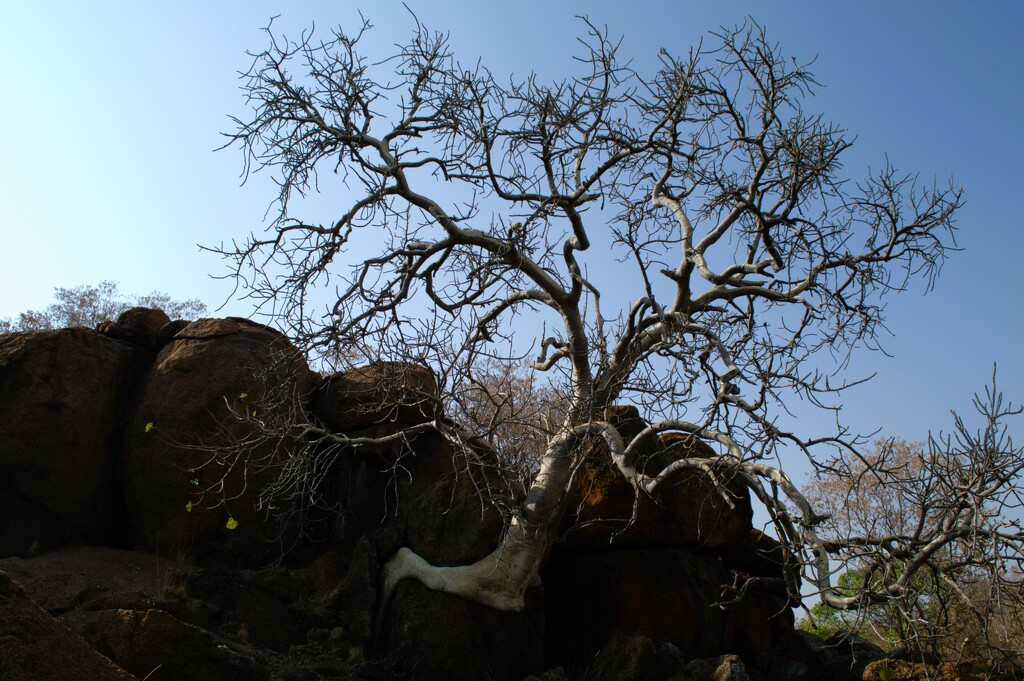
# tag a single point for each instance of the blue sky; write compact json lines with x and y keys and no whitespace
{"x":112,"y":111}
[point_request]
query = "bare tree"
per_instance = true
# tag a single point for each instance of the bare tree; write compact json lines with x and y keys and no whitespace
{"x":941,"y":521}
{"x":493,"y":212}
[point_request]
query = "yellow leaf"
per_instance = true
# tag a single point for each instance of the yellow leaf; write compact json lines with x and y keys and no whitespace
{"x":254,"y":413}
{"x":149,"y":426}
{"x":243,"y":396}
{"x":188,"y":507}
{"x":231,"y":524}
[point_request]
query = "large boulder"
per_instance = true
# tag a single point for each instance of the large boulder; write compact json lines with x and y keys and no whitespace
{"x":842,"y":657}
{"x":689,"y":512}
{"x":455,"y":521}
{"x":669,"y":595}
{"x":151,"y":615}
{"x":196,"y":452}
{"x":33,"y":645}
{"x":634,"y":658}
{"x":432,"y":636}
{"x":140,"y":325}
{"x":379,"y":393}
{"x":756,"y":554}
{"x":590,"y":595}
{"x":62,"y":398}
{"x":417,"y":489}
{"x":442,"y":501}
{"x":437,"y":636}
{"x":374,"y":488}
{"x":155,"y":645}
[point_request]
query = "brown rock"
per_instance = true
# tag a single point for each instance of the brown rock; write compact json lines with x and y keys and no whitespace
{"x":182,"y":417}
{"x":590,"y":595}
{"x":423,"y":493}
{"x":426,"y":496}
{"x":379,"y":393}
{"x":724,"y":668}
{"x":666,"y":594}
{"x":139,"y":325}
{"x":88,"y":577}
{"x":35,"y":646}
{"x":62,"y":396}
{"x":159,"y":647}
{"x":689,"y":510}
{"x":356,"y":595}
{"x":759,"y":555}
{"x":418,"y":492}
{"x":169,"y":330}
{"x":847,"y":657}
{"x":375,"y":488}
{"x":634,"y":658}
{"x":455,"y":522}
{"x":433,"y":636}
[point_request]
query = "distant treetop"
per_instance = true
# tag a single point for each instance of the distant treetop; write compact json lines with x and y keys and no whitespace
{"x":87,"y":306}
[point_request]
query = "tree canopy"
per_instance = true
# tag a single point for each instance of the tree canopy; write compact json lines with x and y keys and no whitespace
{"x":87,"y":306}
{"x":904,"y":503}
{"x":686,"y":241}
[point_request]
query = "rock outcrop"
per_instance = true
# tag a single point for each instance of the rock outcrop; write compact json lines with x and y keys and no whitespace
{"x":623,"y":559}
{"x":63,"y":396}
{"x":211,"y":386}
{"x":435,"y":498}
{"x":123,"y":438}
{"x":33,"y":645}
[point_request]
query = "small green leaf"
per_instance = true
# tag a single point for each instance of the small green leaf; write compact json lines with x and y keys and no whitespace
{"x":243,"y":396}
{"x":188,"y":507}
{"x":149,"y":426}
{"x":254,"y":413}
{"x":231,"y":523}
{"x":195,"y":482}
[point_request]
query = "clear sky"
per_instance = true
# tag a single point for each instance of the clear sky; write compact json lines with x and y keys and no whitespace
{"x":111,"y":112}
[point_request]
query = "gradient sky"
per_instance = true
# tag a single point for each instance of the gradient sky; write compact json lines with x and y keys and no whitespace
{"x":112,"y":111}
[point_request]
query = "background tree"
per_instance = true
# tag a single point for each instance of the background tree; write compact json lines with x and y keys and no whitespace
{"x":505,"y":403}
{"x":89,"y":305}
{"x":492,"y":210}
{"x":964,"y":599}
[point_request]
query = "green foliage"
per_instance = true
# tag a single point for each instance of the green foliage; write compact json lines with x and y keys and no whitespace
{"x":885,"y":623}
{"x":824,"y":621}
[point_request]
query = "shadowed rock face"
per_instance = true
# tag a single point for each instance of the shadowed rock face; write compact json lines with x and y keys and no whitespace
{"x":105,"y":438}
{"x":35,"y":646}
{"x":63,"y":395}
{"x":667,"y":594}
{"x":210,"y":364}
{"x":381,"y":393}
{"x":662,"y":569}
